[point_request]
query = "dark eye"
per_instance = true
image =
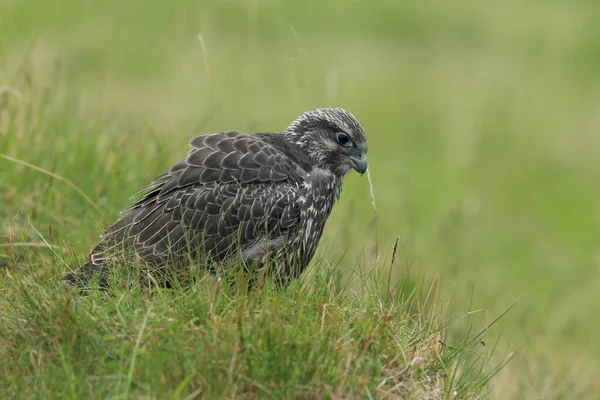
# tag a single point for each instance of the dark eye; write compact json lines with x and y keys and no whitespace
{"x":344,"y":140}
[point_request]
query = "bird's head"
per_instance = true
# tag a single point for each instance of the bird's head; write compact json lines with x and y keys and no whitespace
{"x":332,"y":138}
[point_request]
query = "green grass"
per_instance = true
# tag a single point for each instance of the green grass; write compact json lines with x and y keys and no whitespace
{"x":321,"y":339}
{"x":483,"y":130}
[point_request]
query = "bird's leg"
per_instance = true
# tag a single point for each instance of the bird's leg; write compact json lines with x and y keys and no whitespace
{"x":282,"y":276}
{"x":261,"y":267}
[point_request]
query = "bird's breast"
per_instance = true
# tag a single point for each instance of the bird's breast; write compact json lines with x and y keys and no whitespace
{"x":317,"y":197}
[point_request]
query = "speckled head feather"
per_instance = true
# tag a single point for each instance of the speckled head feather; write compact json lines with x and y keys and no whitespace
{"x":315,"y":132}
{"x":260,"y":199}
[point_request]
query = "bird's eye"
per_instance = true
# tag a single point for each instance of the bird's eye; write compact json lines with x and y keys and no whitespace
{"x":344,"y":140}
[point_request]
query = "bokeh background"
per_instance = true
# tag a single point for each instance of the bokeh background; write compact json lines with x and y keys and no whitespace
{"x":483,"y":120}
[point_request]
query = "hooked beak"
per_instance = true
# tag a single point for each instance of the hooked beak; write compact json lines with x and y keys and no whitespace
{"x":359,"y":163}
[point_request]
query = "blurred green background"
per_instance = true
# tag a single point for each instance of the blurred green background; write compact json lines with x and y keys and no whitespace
{"x":483,"y":121}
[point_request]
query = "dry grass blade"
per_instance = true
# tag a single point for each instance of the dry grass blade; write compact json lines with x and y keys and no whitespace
{"x":375,"y":217}
{"x":55,"y":176}
{"x":27,"y":244}
{"x":207,"y":69}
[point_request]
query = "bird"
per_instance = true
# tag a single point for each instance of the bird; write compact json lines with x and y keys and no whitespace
{"x":261,"y":199}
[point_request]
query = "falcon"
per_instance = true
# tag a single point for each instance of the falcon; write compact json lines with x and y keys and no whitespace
{"x":258,"y":199}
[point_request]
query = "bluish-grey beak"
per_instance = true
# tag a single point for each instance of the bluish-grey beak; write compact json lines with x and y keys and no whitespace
{"x":359,"y":163}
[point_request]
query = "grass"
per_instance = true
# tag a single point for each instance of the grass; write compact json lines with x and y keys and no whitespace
{"x":318,"y":338}
{"x":482,"y":121}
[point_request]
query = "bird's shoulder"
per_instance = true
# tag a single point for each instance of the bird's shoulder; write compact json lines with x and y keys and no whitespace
{"x":236,"y":150}
{"x":230,"y":157}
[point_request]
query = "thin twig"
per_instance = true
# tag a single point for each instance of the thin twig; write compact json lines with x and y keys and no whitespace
{"x":55,"y":176}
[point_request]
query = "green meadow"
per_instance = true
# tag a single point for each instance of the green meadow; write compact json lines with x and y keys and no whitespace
{"x":483,"y":121}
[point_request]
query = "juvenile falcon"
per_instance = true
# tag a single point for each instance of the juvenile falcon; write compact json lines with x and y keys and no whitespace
{"x":261,"y":199}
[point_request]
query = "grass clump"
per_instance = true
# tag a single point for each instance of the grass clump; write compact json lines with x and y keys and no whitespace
{"x":316,"y":338}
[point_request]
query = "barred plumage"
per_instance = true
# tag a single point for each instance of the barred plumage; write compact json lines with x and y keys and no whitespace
{"x":258,"y":196}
